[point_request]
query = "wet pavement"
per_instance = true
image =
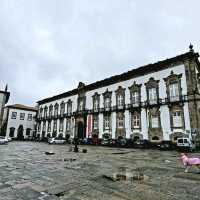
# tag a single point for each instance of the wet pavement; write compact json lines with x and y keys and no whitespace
{"x":102,"y":173}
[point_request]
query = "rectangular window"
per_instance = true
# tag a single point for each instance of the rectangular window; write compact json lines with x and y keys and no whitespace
{"x":69,"y":108}
{"x":45,"y":112}
{"x":55,"y":125}
{"x":177,"y":119}
{"x":95,"y":123}
{"x":30,"y":117}
{"x":14,"y":115}
{"x":174,"y":92}
{"x":120,"y":122}
{"x":107,"y":102}
{"x":28,"y":131}
{"x":56,"y":111}
{"x":41,"y":112}
{"x":68,"y":124}
{"x":61,"y":125}
{"x":49,"y":127}
{"x":80,"y":107}
{"x":39,"y":127}
{"x":135,"y":121}
{"x":154,"y":122}
{"x":107,"y":122}
{"x":44,"y":127}
{"x":96,"y":104}
{"x":152,"y":96}
{"x":120,"y":101}
{"x":135,"y":98}
{"x":22,"y":116}
{"x":50,"y":111}
{"x":62,"y":109}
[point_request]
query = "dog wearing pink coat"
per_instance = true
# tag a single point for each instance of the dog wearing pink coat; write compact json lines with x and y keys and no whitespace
{"x":189,"y":162}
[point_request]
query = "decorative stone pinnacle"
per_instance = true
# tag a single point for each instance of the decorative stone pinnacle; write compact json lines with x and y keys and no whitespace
{"x":6,"y":88}
{"x":191,"y":48}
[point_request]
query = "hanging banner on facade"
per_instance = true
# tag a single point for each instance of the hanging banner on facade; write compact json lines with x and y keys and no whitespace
{"x":89,"y":126}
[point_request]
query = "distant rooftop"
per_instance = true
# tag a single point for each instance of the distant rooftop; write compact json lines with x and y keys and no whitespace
{"x":22,"y":107}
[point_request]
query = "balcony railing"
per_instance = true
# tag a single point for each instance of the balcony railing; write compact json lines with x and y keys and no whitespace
{"x":152,"y":102}
{"x":174,"y":98}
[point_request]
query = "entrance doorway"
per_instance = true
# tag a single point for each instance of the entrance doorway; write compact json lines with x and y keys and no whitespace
{"x":20,"y":135}
{"x":81,"y":133}
{"x":12,"y":131}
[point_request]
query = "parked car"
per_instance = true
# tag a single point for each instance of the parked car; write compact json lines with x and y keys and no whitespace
{"x":56,"y":141}
{"x":121,"y":141}
{"x":106,"y":139}
{"x":3,"y":140}
{"x":165,"y":146}
{"x":9,"y":139}
{"x":185,"y":144}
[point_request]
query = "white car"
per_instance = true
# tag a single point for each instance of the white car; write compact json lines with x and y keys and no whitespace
{"x":9,"y":139}
{"x":56,"y":141}
{"x":3,"y":140}
{"x":185,"y":143}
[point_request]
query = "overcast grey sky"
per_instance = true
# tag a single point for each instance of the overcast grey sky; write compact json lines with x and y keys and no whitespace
{"x":48,"y":46}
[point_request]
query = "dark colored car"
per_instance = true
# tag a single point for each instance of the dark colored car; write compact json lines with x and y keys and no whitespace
{"x":106,"y":139}
{"x":121,"y":141}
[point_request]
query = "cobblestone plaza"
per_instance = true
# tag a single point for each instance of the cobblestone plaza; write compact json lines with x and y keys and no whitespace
{"x":26,"y":172}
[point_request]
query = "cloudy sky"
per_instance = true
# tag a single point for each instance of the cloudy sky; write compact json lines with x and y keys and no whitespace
{"x":48,"y":46}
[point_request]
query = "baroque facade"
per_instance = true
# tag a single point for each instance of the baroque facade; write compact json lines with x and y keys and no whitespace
{"x":156,"y":102}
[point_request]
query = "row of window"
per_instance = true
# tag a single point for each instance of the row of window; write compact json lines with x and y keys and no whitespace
{"x":154,"y":122}
{"x":12,"y":131}
{"x":173,"y":91}
{"x":21,"y":116}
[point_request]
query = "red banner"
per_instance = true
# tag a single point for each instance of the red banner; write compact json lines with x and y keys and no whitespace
{"x":89,"y":126}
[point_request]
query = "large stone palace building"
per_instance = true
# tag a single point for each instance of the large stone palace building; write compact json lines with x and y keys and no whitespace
{"x":156,"y":102}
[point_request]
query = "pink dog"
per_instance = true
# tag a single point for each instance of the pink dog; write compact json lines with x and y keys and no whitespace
{"x":189,"y":162}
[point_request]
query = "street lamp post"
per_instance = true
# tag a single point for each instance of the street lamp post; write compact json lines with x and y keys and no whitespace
{"x":75,"y":138}
{"x":76,"y":144}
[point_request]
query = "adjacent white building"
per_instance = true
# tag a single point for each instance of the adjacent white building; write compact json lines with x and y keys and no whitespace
{"x":20,"y":121}
{"x":156,"y":102}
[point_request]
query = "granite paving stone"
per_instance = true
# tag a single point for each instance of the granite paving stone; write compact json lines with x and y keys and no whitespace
{"x":26,"y":172}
